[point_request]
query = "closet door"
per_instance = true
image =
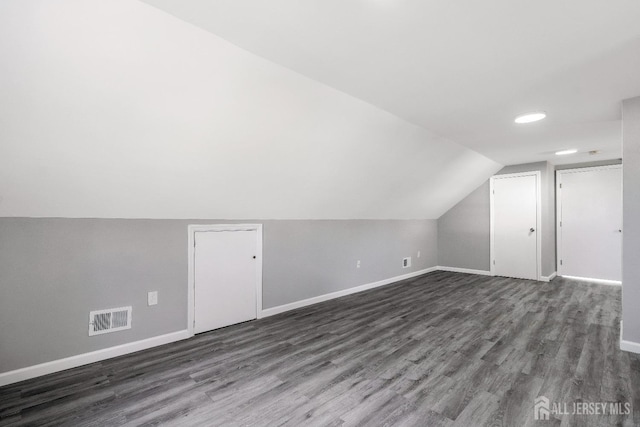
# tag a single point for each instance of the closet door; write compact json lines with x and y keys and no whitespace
{"x":589,"y":228}
{"x":225,"y":278}
{"x":515,"y":221}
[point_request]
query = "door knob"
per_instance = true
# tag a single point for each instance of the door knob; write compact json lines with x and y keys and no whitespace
{"x":531,"y":230}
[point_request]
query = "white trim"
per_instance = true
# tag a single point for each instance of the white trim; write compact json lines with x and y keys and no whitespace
{"x":191,"y":230}
{"x":625,"y":345}
{"x":631,"y":346}
{"x":86,"y":358}
{"x":549,"y":277}
{"x":538,"y":219}
{"x":559,"y":221}
{"x":559,"y":174}
{"x":589,"y":169}
{"x":132,"y":347}
{"x":598,"y":281}
{"x":326,"y":297}
{"x":465,"y":270}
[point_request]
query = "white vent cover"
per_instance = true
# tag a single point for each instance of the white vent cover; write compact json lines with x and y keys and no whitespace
{"x":109,"y":320}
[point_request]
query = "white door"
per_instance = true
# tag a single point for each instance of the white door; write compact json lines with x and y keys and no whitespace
{"x":515,"y":226}
{"x":590,"y":223}
{"x":225,"y":278}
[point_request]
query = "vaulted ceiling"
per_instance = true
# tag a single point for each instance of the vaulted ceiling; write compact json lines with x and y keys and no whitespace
{"x":315,"y":109}
{"x":462,"y":69}
{"x":115,"y":109}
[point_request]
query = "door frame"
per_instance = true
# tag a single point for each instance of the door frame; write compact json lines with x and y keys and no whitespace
{"x":559,"y":174}
{"x":192,"y":229}
{"x":538,"y":219}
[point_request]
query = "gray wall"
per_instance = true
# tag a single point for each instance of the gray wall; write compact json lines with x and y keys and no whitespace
{"x":631,"y":219}
{"x":463,"y":232}
{"x":54,"y":271}
{"x":303,"y":259}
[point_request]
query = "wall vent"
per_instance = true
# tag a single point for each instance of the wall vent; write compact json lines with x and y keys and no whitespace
{"x":109,"y":320}
{"x":406,"y":262}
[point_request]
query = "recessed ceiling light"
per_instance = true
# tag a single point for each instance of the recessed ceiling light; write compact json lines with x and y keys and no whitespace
{"x":565,"y":152}
{"x":530,"y":117}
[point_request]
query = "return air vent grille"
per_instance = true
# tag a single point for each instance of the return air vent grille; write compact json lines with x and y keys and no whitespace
{"x":109,"y":320}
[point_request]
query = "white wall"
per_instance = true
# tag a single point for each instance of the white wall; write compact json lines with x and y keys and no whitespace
{"x":114,"y":109}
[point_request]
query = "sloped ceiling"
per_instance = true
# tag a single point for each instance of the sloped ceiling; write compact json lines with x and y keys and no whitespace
{"x":461,"y":68}
{"x":115,"y":109}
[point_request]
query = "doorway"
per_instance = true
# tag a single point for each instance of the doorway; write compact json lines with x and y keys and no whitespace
{"x":589,"y":216}
{"x":225,"y":275}
{"x":515,"y":225}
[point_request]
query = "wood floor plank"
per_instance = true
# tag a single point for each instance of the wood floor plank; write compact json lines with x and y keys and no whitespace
{"x":440,"y":349}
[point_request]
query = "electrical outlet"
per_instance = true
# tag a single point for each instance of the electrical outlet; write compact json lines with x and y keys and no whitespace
{"x":152,"y":298}
{"x":406,"y":262}
{"x":358,"y":264}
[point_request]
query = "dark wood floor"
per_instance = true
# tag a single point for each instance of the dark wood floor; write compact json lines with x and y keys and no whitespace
{"x":444,"y":349}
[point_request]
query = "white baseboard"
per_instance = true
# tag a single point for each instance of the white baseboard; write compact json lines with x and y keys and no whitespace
{"x":598,"y":281}
{"x":120,"y":350}
{"x":464,"y":270}
{"x":630,"y":346}
{"x":549,"y":277}
{"x":326,"y":297}
{"x":86,"y":358}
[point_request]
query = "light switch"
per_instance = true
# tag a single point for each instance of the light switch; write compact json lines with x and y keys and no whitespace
{"x":152,"y":298}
